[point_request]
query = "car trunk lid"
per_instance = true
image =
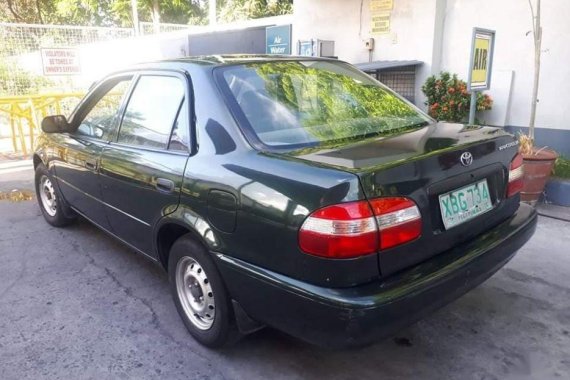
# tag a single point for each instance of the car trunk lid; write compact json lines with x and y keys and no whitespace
{"x":424,"y":164}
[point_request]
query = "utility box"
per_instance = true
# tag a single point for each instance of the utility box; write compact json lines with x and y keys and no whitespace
{"x":315,"y":48}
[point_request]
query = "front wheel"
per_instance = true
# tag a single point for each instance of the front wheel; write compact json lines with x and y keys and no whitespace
{"x":50,"y":202}
{"x":200,"y":294}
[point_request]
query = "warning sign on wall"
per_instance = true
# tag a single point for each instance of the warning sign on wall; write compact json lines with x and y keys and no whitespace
{"x":381,"y":5}
{"x":60,"y":61}
{"x":380,"y":23}
{"x":380,"y":14}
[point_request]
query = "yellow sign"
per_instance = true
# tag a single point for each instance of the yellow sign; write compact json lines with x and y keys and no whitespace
{"x":380,"y":16}
{"x":381,"y":5}
{"x":380,"y":23}
{"x":481,"y":59}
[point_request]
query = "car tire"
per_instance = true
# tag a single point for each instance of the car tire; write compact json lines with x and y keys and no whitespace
{"x":200,"y":294}
{"x":52,"y":205}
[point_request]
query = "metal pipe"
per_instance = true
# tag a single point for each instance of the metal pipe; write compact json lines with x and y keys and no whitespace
{"x":472,"y":107}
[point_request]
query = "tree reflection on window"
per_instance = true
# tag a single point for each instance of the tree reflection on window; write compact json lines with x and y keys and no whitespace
{"x":151,"y":111}
{"x":317,"y":102}
{"x":101,"y":118}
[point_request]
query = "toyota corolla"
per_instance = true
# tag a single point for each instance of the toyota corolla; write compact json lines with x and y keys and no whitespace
{"x":297,"y":193}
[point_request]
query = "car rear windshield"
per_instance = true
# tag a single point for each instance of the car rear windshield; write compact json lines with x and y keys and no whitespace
{"x":290,"y":104}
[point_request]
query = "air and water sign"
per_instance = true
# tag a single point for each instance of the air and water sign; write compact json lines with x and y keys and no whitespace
{"x":60,"y":61}
{"x":278,"y":39}
{"x":481,"y":62}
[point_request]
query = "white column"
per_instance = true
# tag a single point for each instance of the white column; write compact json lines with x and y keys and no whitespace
{"x":212,"y":12}
{"x":135,"y":17}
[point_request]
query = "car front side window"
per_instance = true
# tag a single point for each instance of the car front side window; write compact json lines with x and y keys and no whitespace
{"x":151,"y":111}
{"x":100,"y":120}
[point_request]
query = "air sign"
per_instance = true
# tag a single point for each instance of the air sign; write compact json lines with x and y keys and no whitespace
{"x":481,"y":62}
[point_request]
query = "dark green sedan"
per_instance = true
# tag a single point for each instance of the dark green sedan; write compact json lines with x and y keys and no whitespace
{"x":296,"y":193}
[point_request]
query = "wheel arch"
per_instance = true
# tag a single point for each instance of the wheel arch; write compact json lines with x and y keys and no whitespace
{"x":37,"y":160}
{"x":172,"y":228}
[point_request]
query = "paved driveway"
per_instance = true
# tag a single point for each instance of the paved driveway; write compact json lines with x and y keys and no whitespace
{"x":76,"y":304}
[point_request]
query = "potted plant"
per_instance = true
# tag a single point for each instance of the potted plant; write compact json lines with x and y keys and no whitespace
{"x":557,"y":189}
{"x":537,"y":167}
{"x":447,"y":98}
{"x":537,"y":163}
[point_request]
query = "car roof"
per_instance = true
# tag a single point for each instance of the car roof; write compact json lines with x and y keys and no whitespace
{"x":230,"y":59}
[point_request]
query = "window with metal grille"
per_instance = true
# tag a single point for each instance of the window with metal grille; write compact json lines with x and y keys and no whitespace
{"x":400,"y":79}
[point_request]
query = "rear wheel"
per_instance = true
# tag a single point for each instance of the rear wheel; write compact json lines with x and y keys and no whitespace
{"x":52,"y":205}
{"x":199,"y":293}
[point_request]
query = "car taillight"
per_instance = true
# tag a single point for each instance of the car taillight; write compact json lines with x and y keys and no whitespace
{"x":515,"y":176}
{"x":399,"y":220}
{"x":340,"y":231}
{"x":360,"y":228}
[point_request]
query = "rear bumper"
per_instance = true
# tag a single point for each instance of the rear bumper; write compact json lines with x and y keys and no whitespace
{"x":364,"y":314}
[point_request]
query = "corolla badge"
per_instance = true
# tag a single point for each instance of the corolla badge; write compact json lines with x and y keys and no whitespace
{"x":466,"y":159}
{"x":509,"y":145}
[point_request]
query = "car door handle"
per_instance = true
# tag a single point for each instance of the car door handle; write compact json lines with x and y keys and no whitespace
{"x":165,"y":185}
{"x":91,"y":164}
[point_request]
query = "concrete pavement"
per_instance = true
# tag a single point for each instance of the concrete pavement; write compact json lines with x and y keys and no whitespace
{"x":76,"y":304}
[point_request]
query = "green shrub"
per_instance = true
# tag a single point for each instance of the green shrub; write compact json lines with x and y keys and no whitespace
{"x":15,"y":81}
{"x":449,"y":100}
{"x":561,"y":168}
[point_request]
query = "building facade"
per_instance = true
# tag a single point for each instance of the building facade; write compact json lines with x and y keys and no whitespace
{"x":430,"y":36}
{"x":438,"y":33}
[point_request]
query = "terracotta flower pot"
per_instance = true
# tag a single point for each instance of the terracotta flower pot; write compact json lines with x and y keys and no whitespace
{"x":537,"y":169}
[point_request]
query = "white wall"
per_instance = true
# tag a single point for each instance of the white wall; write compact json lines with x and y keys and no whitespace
{"x":411,"y":37}
{"x":438,"y":32}
{"x":514,"y":51}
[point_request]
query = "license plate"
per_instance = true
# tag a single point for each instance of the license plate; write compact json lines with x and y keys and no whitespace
{"x":461,"y":205}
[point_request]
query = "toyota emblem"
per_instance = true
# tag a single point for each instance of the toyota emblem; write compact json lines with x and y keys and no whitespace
{"x":466,"y":159}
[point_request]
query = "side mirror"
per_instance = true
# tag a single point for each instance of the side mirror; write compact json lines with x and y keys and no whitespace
{"x":55,"y":124}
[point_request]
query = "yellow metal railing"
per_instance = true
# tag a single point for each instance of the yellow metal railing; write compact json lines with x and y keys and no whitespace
{"x":29,"y":110}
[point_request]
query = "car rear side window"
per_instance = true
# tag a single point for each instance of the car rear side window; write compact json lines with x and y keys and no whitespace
{"x":100,"y":120}
{"x":180,"y":132}
{"x":151,"y":111}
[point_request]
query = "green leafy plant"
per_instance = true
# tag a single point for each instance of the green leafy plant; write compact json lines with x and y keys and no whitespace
{"x":448,"y":98}
{"x":119,"y":12}
{"x":15,"y":81}
{"x":234,"y":10}
{"x":561,"y":168}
